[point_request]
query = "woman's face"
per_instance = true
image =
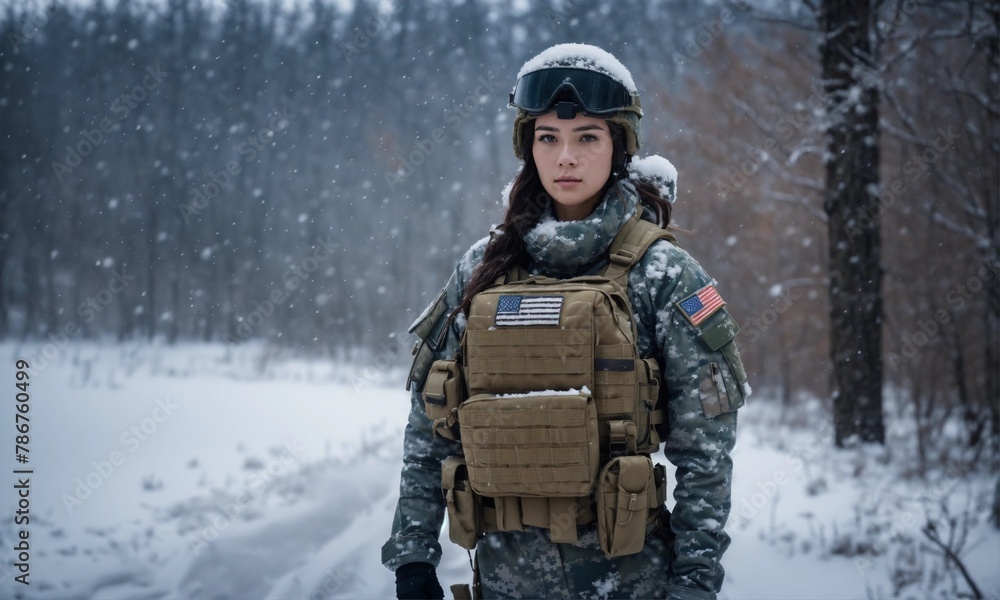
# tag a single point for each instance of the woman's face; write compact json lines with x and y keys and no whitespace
{"x":573,"y":158}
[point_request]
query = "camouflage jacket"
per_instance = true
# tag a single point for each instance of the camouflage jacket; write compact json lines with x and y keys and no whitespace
{"x":702,"y":428}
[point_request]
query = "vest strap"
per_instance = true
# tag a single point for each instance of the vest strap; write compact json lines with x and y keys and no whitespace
{"x":514,"y":274}
{"x":632,"y":241}
{"x":563,"y":514}
{"x":508,"y":513}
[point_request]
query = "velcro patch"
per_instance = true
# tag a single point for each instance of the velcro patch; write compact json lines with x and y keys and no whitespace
{"x":701,"y":305}
{"x":528,"y":310}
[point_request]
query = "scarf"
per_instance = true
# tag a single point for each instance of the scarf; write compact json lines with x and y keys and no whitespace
{"x":563,"y":249}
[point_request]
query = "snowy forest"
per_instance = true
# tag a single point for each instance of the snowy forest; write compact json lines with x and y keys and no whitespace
{"x":266,"y":180}
{"x":208,"y":157}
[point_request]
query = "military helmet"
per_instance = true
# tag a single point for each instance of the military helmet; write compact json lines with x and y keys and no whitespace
{"x":577,"y":78}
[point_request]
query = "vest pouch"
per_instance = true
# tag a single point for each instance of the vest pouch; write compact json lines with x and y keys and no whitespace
{"x":443,"y":389}
{"x":538,"y":444}
{"x":624,"y":488}
{"x":464,"y":522}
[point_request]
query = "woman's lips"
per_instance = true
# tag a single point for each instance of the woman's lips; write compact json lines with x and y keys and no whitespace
{"x":567,"y":181}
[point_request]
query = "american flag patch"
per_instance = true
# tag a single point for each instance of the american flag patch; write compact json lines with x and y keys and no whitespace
{"x":528,"y":310}
{"x":700,"y":305}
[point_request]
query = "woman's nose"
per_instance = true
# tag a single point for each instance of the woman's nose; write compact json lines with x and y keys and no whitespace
{"x":567,"y":156}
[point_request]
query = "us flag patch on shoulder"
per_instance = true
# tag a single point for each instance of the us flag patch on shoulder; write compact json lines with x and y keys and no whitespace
{"x":528,"y":310}
{"x":701,"y":305}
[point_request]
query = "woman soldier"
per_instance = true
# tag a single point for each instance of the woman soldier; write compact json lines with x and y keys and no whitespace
{"x":483,"y":425}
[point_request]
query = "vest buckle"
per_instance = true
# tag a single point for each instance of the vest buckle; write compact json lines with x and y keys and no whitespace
{"x":622,"y":258}
{"x":622,"y":437}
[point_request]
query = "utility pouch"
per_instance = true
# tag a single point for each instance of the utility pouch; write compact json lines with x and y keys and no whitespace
{"x":443,"y":389}
{"x":544,"y":445}
{"x":625,"y":493}
{"x":731,"y":383}
{"x":715,"y":395}
{"x":464,"y":524}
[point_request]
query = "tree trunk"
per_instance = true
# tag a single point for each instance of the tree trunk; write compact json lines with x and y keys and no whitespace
{"x":991,"y":340}
{"x":5,"y":238}
{"x":48,"y":257}
{"x":152,"y":256}
{"x":852,"y":205}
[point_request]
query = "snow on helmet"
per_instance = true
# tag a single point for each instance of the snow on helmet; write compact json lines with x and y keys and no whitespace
{"x":577,"y":78}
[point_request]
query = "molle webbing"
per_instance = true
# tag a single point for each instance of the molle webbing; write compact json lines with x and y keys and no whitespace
{"x":592,"y":345}
{"x":556,"y":388}
{"x":539,"y":445}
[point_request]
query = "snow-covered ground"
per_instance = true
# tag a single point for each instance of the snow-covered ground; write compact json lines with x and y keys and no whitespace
{"x":206,"y":472}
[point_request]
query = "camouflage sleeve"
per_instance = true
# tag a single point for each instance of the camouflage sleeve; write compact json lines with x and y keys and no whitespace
{"x":420,"y":510}
{"x":705,"y":384}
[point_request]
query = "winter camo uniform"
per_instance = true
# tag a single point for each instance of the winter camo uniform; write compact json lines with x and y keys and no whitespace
{"x":705,"y":383}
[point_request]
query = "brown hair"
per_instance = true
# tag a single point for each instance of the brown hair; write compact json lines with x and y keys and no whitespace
{"x":527,"y":202}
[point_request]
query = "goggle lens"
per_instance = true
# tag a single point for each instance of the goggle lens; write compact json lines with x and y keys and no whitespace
{"x":597,"y":94}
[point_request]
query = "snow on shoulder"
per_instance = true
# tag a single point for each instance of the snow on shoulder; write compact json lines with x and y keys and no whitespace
{"x":656,"y":170}
{"x":580,"y":56}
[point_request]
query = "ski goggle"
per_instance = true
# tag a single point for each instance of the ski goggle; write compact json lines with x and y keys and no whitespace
{"x":539,"y":92}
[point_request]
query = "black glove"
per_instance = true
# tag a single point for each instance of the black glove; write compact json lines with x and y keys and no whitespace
{"x":417,"y":581}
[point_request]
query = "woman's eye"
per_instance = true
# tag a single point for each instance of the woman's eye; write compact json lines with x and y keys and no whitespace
{"x":588,"y":138}
{"x":546,"y":138}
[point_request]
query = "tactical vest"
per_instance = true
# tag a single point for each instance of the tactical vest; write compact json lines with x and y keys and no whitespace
{"x":555,"y":409}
